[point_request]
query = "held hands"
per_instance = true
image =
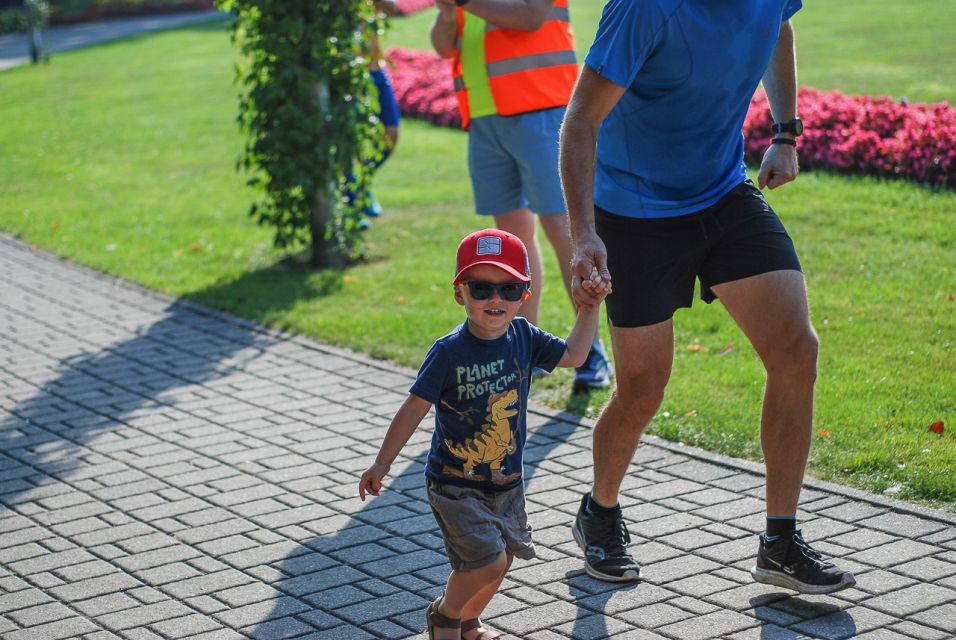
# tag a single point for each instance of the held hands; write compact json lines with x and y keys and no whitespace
{"x":371,"y":481}
{"x":778,"y":167}
{"x":590,"y":279}
{"x":598,"y":285}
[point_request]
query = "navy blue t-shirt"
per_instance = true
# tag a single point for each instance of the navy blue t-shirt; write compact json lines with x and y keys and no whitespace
{"x":673,"y":145}
{"x":480,"y":391}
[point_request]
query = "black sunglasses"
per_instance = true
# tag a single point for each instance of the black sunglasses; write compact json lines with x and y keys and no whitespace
{"x":510,"y":291}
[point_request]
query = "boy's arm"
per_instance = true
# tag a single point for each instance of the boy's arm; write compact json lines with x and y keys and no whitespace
{"x":581,"y":336}
{"x":403,"y":425}
{"x":585,"y":326}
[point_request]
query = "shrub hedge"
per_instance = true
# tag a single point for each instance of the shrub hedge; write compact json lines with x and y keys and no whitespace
{"x":847,"y":134}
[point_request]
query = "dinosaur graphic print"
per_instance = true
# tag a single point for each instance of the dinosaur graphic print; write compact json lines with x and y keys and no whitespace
{"x":490,"y":444}
{"x":480,"y":389}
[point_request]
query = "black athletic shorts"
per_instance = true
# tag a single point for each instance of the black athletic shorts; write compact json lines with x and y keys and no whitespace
{"x":654,"y":261}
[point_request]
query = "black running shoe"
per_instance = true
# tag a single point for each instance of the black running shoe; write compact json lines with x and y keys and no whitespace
{"x":789,"y":562}
{"x":603,"y":538}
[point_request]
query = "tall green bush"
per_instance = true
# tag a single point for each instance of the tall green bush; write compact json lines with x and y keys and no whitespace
{"x":307,"y":106}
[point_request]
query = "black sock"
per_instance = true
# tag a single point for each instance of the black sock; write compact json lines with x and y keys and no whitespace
{"x":594,"y":505}
{"x":779,"y":526}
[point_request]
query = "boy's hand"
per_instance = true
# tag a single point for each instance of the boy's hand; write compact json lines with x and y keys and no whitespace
{"x":598,"y":285}
{"x":371,"y":481}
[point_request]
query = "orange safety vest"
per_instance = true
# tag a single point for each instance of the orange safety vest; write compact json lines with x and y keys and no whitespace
{"x":527,"y":70}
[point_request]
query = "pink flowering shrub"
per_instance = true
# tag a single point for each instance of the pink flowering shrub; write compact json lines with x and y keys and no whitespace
{"x":849,"y":134}
{"x":408,"y":7}
{"x":863,"y":135}
{"x":423,"y":86}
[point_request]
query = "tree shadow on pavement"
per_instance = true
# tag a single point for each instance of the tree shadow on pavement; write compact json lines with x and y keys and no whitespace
{"x":109,"y":392}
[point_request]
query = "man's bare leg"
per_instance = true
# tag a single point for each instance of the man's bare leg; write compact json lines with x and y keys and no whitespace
{"x":642,"y":365}
{"x":556,"y":229}
{"x":521,"y":222}
{"x":772,"y":311}
{"x":642,"y":358}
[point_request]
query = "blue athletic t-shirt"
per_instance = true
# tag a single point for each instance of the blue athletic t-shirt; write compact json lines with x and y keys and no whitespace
{"x":673,"y":144}
{"x":480,"y":391}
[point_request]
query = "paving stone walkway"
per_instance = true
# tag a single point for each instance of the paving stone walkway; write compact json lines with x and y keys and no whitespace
{"x":168,"y":471}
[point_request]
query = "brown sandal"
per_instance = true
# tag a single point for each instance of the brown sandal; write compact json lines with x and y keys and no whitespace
{"x":475,"y":623}
{"x":435,"y":620}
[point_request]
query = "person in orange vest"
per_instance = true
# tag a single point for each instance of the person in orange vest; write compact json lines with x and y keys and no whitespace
{"x":514,"y":70}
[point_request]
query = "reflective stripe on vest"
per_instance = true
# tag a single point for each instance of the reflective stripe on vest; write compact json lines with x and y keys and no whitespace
{"x":525,"y":63}
{"x":524,"y":71}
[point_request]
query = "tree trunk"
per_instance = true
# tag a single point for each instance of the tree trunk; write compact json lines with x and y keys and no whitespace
{"x":325,"y":251}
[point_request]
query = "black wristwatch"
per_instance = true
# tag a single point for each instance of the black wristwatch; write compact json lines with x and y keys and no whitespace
{"x":461,"y":3}
{"x":795,"y":126}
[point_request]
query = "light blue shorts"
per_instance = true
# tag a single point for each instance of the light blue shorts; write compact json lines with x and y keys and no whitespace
{"x":513,"y":162}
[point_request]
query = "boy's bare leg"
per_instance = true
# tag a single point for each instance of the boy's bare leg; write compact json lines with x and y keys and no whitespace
{"x":480,"y":600}
{"x":463,"y":586}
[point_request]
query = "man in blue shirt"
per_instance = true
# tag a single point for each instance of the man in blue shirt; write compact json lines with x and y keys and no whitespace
{"x":652,"y":167}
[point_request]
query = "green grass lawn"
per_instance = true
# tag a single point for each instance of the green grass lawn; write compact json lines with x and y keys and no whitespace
{"x":122,"y":157}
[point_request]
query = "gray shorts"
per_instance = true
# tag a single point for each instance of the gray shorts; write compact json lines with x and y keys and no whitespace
{"x":478,"y":525}
{"x":513,"y":163}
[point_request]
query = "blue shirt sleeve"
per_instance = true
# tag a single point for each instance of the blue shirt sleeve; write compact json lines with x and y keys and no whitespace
{"x":546,"y":349}
{"x":432,"y":374}
{"x":792,"y":7}
{"x":626,"y":35}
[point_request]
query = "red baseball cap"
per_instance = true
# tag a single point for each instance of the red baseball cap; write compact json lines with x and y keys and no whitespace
{"x":497,"y":248}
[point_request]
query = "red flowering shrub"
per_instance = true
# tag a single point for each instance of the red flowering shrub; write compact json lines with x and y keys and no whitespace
{"x":423,"y":86}
{"x":863,"y":135}
{"x":408,"y":7}
{"x":850,"y":134}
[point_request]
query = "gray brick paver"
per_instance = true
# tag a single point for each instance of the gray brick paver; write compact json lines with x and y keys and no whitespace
{"x":156,"y":557}
{"x":110,"y":583}
{"x":22,"y":599}
{"x":251,"y":614}
{"x":109,"y":603}
{"x":941,"y":617}
{"x":40,"y":614}
{"x":914,"y":630}
{"x":58,"y":630}
{"x":144,"y":615}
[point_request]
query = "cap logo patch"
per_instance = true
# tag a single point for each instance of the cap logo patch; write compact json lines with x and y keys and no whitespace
{"x":489,"y":245}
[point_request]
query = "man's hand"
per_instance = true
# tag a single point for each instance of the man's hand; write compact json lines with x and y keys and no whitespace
{"x":371,"y":481}
{"x":778,"y":167}
{"x":590,"y":279}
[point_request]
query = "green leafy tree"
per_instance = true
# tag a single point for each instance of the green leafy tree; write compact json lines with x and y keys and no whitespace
{"x":308,"y":107}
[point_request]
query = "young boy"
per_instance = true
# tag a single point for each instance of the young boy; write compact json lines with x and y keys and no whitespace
{"x":478,"y":378}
